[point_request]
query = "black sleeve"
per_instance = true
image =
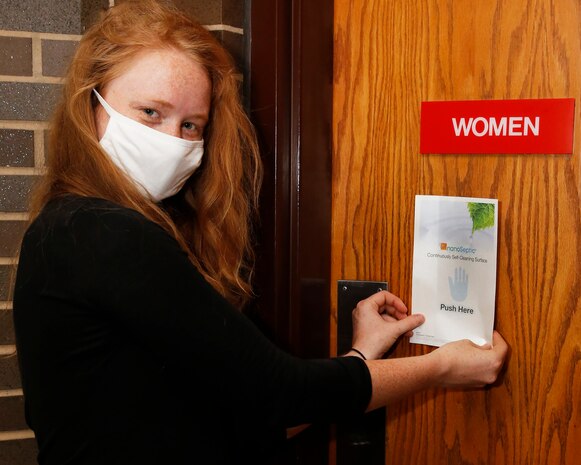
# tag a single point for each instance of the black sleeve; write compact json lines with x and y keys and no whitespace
{"x":131,"y":268}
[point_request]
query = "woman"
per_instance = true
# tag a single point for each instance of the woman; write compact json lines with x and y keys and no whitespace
{"x":137,"y":261}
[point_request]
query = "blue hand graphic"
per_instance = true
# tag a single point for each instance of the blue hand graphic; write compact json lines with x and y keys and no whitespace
{"x":458,"y":285}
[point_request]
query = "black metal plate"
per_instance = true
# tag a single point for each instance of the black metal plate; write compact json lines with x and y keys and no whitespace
{"x":361,"y":441}
{"x":349,"y":293}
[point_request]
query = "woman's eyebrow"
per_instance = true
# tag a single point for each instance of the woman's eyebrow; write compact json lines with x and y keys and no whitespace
{"x":159,"y":103}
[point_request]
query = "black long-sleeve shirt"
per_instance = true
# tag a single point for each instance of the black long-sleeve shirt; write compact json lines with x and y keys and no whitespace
{"x":128,"y":356}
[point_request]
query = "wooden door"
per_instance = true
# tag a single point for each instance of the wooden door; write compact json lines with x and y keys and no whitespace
{"x":389,"y":57}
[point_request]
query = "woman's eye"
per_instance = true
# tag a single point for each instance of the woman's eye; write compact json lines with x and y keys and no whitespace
{"x":150,"y":113}
{"x":191,"y":131}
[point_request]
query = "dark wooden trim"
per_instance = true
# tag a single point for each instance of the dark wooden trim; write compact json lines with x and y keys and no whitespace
{"x":269,"y":84}
{"x":290,"y":99}
{"x":311,"y":155}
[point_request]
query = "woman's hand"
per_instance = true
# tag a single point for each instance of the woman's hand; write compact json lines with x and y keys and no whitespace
{"x":457,"y":364}
{"x":378,"y":322}
{"x":465,"y":364}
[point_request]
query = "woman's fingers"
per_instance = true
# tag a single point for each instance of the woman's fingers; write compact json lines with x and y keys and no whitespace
{"x":410,"y":323}
{"x":384,"y":301}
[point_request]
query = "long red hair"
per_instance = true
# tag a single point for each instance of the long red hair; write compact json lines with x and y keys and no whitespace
{"x":211,"y":217}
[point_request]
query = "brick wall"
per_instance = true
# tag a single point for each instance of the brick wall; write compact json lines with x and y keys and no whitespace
{"x":36,"y":41}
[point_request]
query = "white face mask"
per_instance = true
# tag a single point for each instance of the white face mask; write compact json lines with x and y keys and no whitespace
{"x":158,"y":163}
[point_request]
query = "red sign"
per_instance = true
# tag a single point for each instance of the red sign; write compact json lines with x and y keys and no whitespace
{"x":498,"y":126}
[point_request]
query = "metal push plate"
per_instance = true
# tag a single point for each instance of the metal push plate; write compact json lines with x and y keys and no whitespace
{"x":349,"y":293}
{"x":361,"y":441}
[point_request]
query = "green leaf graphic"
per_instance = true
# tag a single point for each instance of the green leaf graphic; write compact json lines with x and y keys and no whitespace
{"x":482,"y":215}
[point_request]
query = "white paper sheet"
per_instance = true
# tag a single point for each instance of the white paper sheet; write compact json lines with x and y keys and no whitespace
{"x":454,"y":268}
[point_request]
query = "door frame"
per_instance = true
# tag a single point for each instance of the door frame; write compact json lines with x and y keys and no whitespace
{"x":289,"y":88}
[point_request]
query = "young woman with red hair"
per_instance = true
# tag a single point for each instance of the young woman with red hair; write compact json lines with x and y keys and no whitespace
{"x":138,"y":259}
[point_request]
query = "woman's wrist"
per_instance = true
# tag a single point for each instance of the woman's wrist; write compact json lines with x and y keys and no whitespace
{"x":396,"y":378}
{"x":436,"y":369}
{"x":353,"y":352}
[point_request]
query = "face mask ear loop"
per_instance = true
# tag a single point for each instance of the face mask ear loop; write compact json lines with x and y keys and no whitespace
{"x":104,"y":104}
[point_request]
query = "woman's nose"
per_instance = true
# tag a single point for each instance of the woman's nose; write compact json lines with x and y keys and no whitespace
{"x":173,"y":130}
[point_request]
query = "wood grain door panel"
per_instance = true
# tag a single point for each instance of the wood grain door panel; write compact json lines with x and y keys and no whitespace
{"x":391,"y":56}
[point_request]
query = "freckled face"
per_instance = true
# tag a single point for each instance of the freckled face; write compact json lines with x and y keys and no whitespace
{"x":163,"y":89}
